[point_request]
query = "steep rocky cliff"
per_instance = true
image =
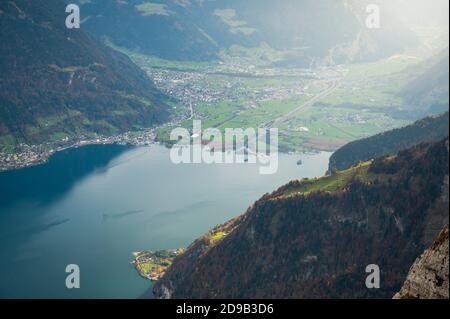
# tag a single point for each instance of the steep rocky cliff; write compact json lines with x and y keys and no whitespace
{"x":428,"y":277}
{"x":315,"y":238}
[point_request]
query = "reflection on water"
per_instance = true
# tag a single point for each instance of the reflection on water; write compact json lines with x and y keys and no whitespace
{"x":45,"y":183}
{"x":94,"y":206}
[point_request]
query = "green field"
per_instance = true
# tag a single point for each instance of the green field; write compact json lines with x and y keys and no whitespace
{"x":7,"y":143}
{"x":333,"y":183}
{"x":148,"y":61}
{"x":358,"y":108}
{"x":215,"y":237}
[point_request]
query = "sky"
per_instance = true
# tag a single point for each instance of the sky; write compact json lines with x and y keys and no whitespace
{"x":421,"y":13}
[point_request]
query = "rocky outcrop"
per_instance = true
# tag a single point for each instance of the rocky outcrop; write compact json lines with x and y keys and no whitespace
{"x":428,"y":277}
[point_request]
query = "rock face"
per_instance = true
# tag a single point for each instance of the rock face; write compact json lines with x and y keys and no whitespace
{"x":315,"y":238}
{"x":428,"y":277}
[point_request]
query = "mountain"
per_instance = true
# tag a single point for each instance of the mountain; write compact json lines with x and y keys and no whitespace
{"x":429,"y":91}
{"x":428,"y":277}
{"x":311,"y":31}
{"x":315,"y":238}
{"x":391,"y":142}
{"x":57,"y":82}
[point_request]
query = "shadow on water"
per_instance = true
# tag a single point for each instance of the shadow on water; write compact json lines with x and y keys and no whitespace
{"x":49,"y":182}
{"x":39,"y":186}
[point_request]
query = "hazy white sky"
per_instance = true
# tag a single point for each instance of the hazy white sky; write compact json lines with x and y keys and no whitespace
{"x":421,"y":12}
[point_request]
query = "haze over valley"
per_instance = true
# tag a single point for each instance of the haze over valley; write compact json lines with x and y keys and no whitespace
{"x":356,"y":93}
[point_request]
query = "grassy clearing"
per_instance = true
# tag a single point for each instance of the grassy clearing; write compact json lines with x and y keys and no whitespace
{"x":228,"y":16}
{"x":341,"y":123}
{"x":382,"y":68}
{"x":218,"y":236}
{"x":153,"y":265}
{"x":148,"y":61}
{"x":50,"y":121}
{"x":376,"y":84}
{"x":58,"y":136}
{"x":136,"y":98}
{"x":263,"y":55}
{"x":381,"y":96}
{"x":235,"y":115}
{"x":333,"y":182}
{"x":7,"y":144}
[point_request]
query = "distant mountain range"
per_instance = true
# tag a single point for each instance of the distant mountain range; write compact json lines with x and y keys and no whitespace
{"x":57,"y":82}
{"x":314,"y":238}
{"x":429,"y":92}
{"x":391,"y":142}
{"x":313,"y":32}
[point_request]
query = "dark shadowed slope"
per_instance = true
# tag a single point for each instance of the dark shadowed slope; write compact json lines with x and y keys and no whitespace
{"x":326,"y":30}
{"x":56,"y":82}
{"x":391,"y":142}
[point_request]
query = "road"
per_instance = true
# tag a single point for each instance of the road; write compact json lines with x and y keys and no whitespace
{"x":191,"y":108}
{"x":288,"y":116}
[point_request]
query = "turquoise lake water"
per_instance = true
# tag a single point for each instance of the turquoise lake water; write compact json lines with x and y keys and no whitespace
{"x":94,"y":206}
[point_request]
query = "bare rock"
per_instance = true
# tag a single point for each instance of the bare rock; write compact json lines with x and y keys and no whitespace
{"x":428,"y":277}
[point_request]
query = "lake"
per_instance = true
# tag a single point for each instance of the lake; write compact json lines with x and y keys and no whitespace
{"x":94,"y":206}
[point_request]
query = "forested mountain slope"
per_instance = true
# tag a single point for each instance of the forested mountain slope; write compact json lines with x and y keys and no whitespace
{"x":391,"y":142}
{"x":325,"y":31}
{"x":57,"y":82}
{"x":315,"y":238}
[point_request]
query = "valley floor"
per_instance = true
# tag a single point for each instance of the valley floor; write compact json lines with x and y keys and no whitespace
{"x":317,"y":109}
{"x":321,"y":109}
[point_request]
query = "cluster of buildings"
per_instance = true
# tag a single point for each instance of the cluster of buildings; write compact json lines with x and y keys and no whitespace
{"x":195,"y":88}
{"x":25,"y":155}
{"x":232,"y":84}
{"x":29,"y":155}
{"x":153,"y":265}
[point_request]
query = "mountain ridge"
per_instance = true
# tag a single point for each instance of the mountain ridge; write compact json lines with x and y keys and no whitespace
{"x":58,"y":82}
{"x":429,"y":129}
{"x":301,"y":242}
{"x":200,"y":30}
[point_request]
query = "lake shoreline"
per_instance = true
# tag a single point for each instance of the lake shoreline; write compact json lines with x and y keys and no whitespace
{"x":153,"y":265}
{"x":40,"y":154}
{"x":35,"y":155}
{"x":95,"y":205}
